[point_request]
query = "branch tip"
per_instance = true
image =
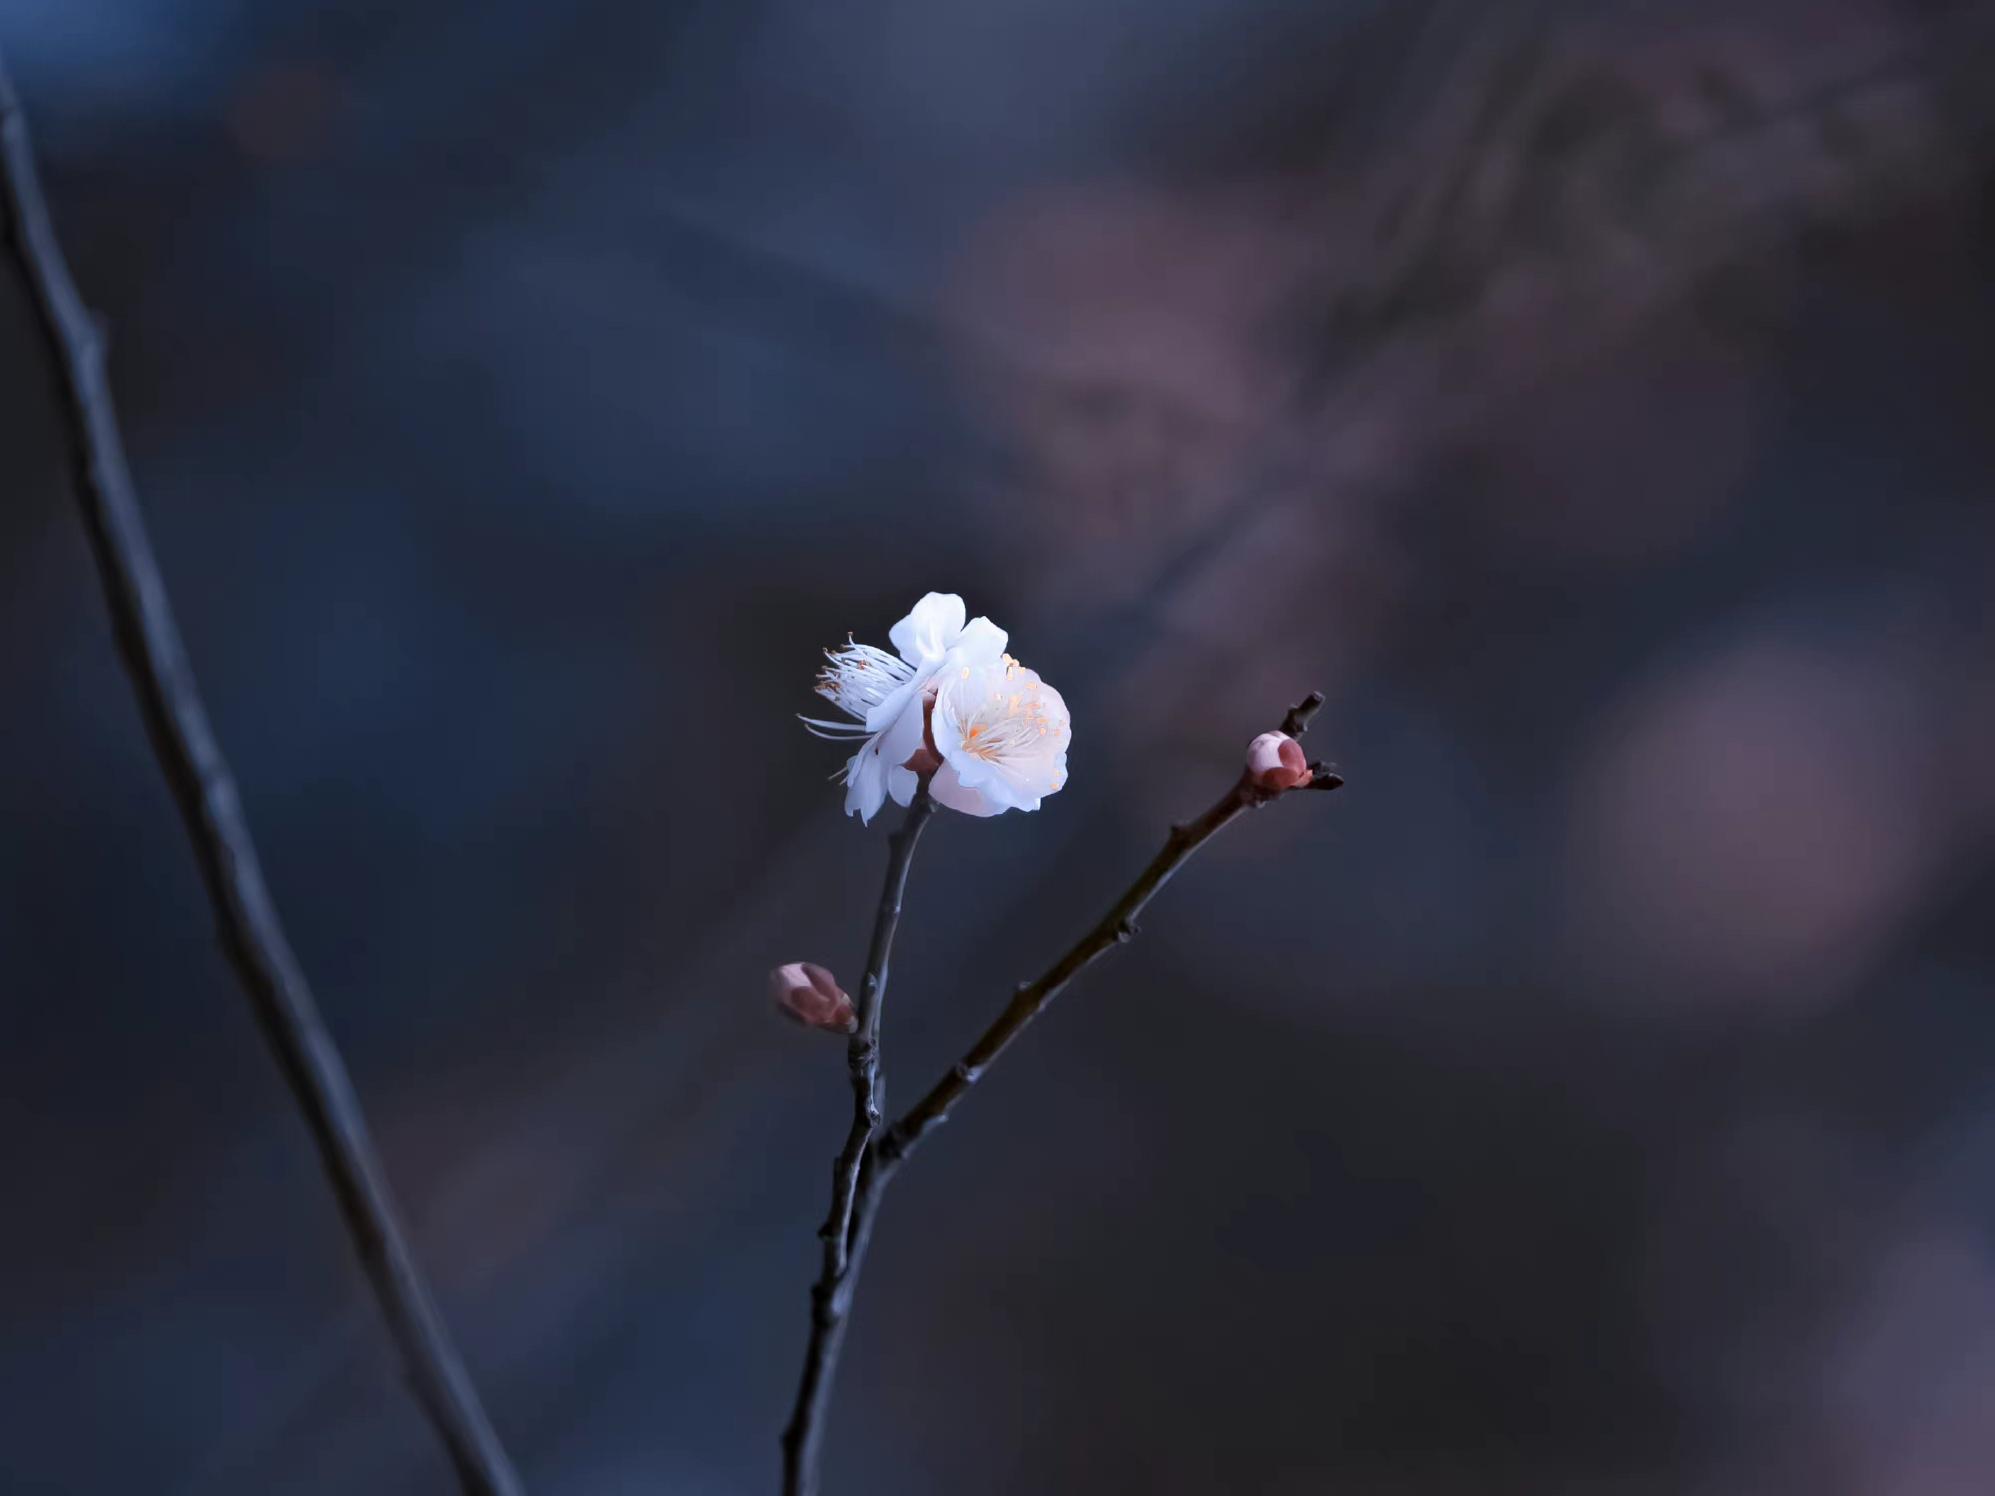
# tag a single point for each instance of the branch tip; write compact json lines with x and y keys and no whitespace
{"x":1296,"y":723}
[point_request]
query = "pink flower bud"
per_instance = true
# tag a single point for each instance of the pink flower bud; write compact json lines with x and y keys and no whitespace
{"x":1275,"y":763}
{"x":812,"y":996}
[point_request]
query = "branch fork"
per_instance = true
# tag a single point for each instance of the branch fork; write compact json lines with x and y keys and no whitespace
{"x":872,"y":1155}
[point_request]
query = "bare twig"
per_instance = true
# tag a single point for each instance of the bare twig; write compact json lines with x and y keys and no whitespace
{"x":149,"y":640}
{"x":1116,"y":927}
{"x":891,"y":1148}
{"x":831,"y":1295}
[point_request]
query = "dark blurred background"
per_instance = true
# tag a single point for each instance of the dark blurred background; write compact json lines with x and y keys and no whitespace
{"x":1597,"y":1096}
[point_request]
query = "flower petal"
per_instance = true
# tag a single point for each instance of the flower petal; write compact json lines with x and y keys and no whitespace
{"x":944,"y":726}
{"x":865,"y":783}
{"x":949,"y":790}
{"x":891,"y":708}
{"x":979,"y":642}
{"x":896,"y":746}
{"x":929,"y":628}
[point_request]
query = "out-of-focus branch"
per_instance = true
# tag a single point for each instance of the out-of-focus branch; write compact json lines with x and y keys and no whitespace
{"x":205,"y":791}
{"x":883,"y":1158}
{"x":831,"y":1295}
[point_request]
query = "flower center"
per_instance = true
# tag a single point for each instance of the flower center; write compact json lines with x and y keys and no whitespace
{"x":1005,"y":715}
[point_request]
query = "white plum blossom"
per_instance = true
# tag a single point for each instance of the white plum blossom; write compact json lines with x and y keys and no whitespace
{"x":950,"y":701}
{"x":887,"y":695}
{"x":1002,"y":733}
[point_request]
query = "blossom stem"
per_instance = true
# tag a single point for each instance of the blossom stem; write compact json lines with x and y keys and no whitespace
{"x":884,"y":1156}
{"x":831,"y":1295}
{"x":199,"y":777}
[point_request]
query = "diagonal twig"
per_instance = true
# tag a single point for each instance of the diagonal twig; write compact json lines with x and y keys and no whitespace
{"x":1115,"y":928}
{"x":205,"y":792}
{"x":890,"y":1149}
{"x":831,"y":1295}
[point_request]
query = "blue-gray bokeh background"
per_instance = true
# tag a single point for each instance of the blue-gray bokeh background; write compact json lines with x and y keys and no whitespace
{"x":1597,"y":1096}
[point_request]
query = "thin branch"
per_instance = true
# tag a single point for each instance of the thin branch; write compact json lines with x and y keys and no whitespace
{"x":1117,"y":927}
{"x":831,"y":1295}
{"x":891,"y":1149}
{"x":205,"y":792}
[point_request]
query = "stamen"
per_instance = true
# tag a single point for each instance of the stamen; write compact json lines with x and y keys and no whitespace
{"x":858,"y":677}
{"x":836,"y":732}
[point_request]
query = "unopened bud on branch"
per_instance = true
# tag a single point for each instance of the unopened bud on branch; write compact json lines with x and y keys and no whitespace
{"x":1275,"y":763}
{"x":811,"y":995}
